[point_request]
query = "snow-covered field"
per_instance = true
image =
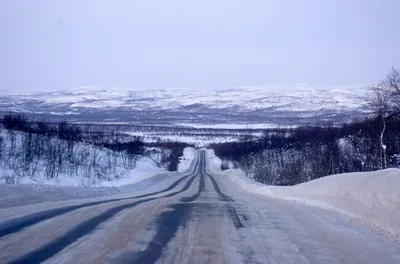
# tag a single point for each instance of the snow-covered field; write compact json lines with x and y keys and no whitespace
{"x":300,"y":97}
{"x":371,"y":198}
{"x":231,"y":126}
{"x":196,"y":139}
{"x":233,"y":107}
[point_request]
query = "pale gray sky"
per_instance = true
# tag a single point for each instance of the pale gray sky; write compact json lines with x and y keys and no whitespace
{"x":51,"y":45}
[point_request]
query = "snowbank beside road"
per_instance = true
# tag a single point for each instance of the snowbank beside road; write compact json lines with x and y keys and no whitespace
{"x":144,"y":169}
{"x":145,"y":177}
{"x":64,"y":187}
{"x":186,"y":159}
{"x":372,"y":198}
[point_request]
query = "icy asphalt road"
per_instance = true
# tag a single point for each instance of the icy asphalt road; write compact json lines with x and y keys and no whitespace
{"x":197,"y":218}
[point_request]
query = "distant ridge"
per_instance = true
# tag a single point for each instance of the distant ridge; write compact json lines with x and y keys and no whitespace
{"x":296,"y":104}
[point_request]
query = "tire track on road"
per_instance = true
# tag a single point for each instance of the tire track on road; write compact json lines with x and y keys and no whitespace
{"x":15,"y":225}
{"x":166,"y":225}
{"x":52,"y":248}
{"x":58,"y":244}
{"x":229,"y":207}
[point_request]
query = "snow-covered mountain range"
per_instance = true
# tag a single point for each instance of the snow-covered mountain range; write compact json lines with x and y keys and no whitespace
{"x":251,"y":105}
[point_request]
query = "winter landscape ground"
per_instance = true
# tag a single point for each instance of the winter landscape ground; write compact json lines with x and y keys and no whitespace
{"x":200,"y":132}
{"x":298,"y":189}
{"x":243,"y":107}
{"x":210,"y":218}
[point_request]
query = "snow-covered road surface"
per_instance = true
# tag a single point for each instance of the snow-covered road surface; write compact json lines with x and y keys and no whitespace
{"x":198,"y":218}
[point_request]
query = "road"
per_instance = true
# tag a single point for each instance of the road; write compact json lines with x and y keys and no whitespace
{"x":198,"y":218}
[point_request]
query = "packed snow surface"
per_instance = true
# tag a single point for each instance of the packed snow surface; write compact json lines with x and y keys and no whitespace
{"x":22,"y":194}
{"x":144,"y":178}
{"x":371,"y":198}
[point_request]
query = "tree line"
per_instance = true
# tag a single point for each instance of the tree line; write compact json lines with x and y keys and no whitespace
{"x":296,"y":155}
{"x":32,"y":148}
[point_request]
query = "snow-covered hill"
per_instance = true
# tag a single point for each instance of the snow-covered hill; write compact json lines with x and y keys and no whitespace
{"x":273,"y":105}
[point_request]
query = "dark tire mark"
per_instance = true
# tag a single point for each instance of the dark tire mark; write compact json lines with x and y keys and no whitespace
{"x":55,"y":246}
{"x":167,"y":224}
{"x":230,"y":209}
{"x":201,"y":184}
{"x":197,"y":194}
{"x":245,"y":217}
{"x":223,"y":196}
{"x":15,"y":225}
{"x":234,"y":216}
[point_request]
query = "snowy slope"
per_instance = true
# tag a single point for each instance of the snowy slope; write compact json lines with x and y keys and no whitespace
{"x":372,"y":198}
{"x":145,"y":178}
{"x":144,"y":169}
{"x":191,"y":106}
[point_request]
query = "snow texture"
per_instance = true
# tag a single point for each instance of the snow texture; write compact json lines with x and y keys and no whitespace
{"x":22,"y":194}
{"x":186,"y":159}
{"x":370,"y":198}
{"x":144,"y":175}
{"x":95,"y":166}
{"x":144,"y":169}
{"x":293,"y":98}
{"x":232,"y":126}
{"x":221,"y":106}
{"x":198,"y":139}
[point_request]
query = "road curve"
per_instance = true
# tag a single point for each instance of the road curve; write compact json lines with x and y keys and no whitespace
{"x":199,"y":218}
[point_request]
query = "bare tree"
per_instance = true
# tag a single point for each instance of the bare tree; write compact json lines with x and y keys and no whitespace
{"x":385,"y":102}
{"x":392,"y":84}
{"x":380,"y":104}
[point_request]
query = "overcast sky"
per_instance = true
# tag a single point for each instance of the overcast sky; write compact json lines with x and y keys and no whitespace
{"x":52,"y":45}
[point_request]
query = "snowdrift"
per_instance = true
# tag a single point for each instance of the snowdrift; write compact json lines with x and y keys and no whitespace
{"x":186,"y":160}
{"x":146,"y":176}
{"x":371,"y":198}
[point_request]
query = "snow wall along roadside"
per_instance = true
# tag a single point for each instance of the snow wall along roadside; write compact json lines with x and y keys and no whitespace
{"x":370,"y":198}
